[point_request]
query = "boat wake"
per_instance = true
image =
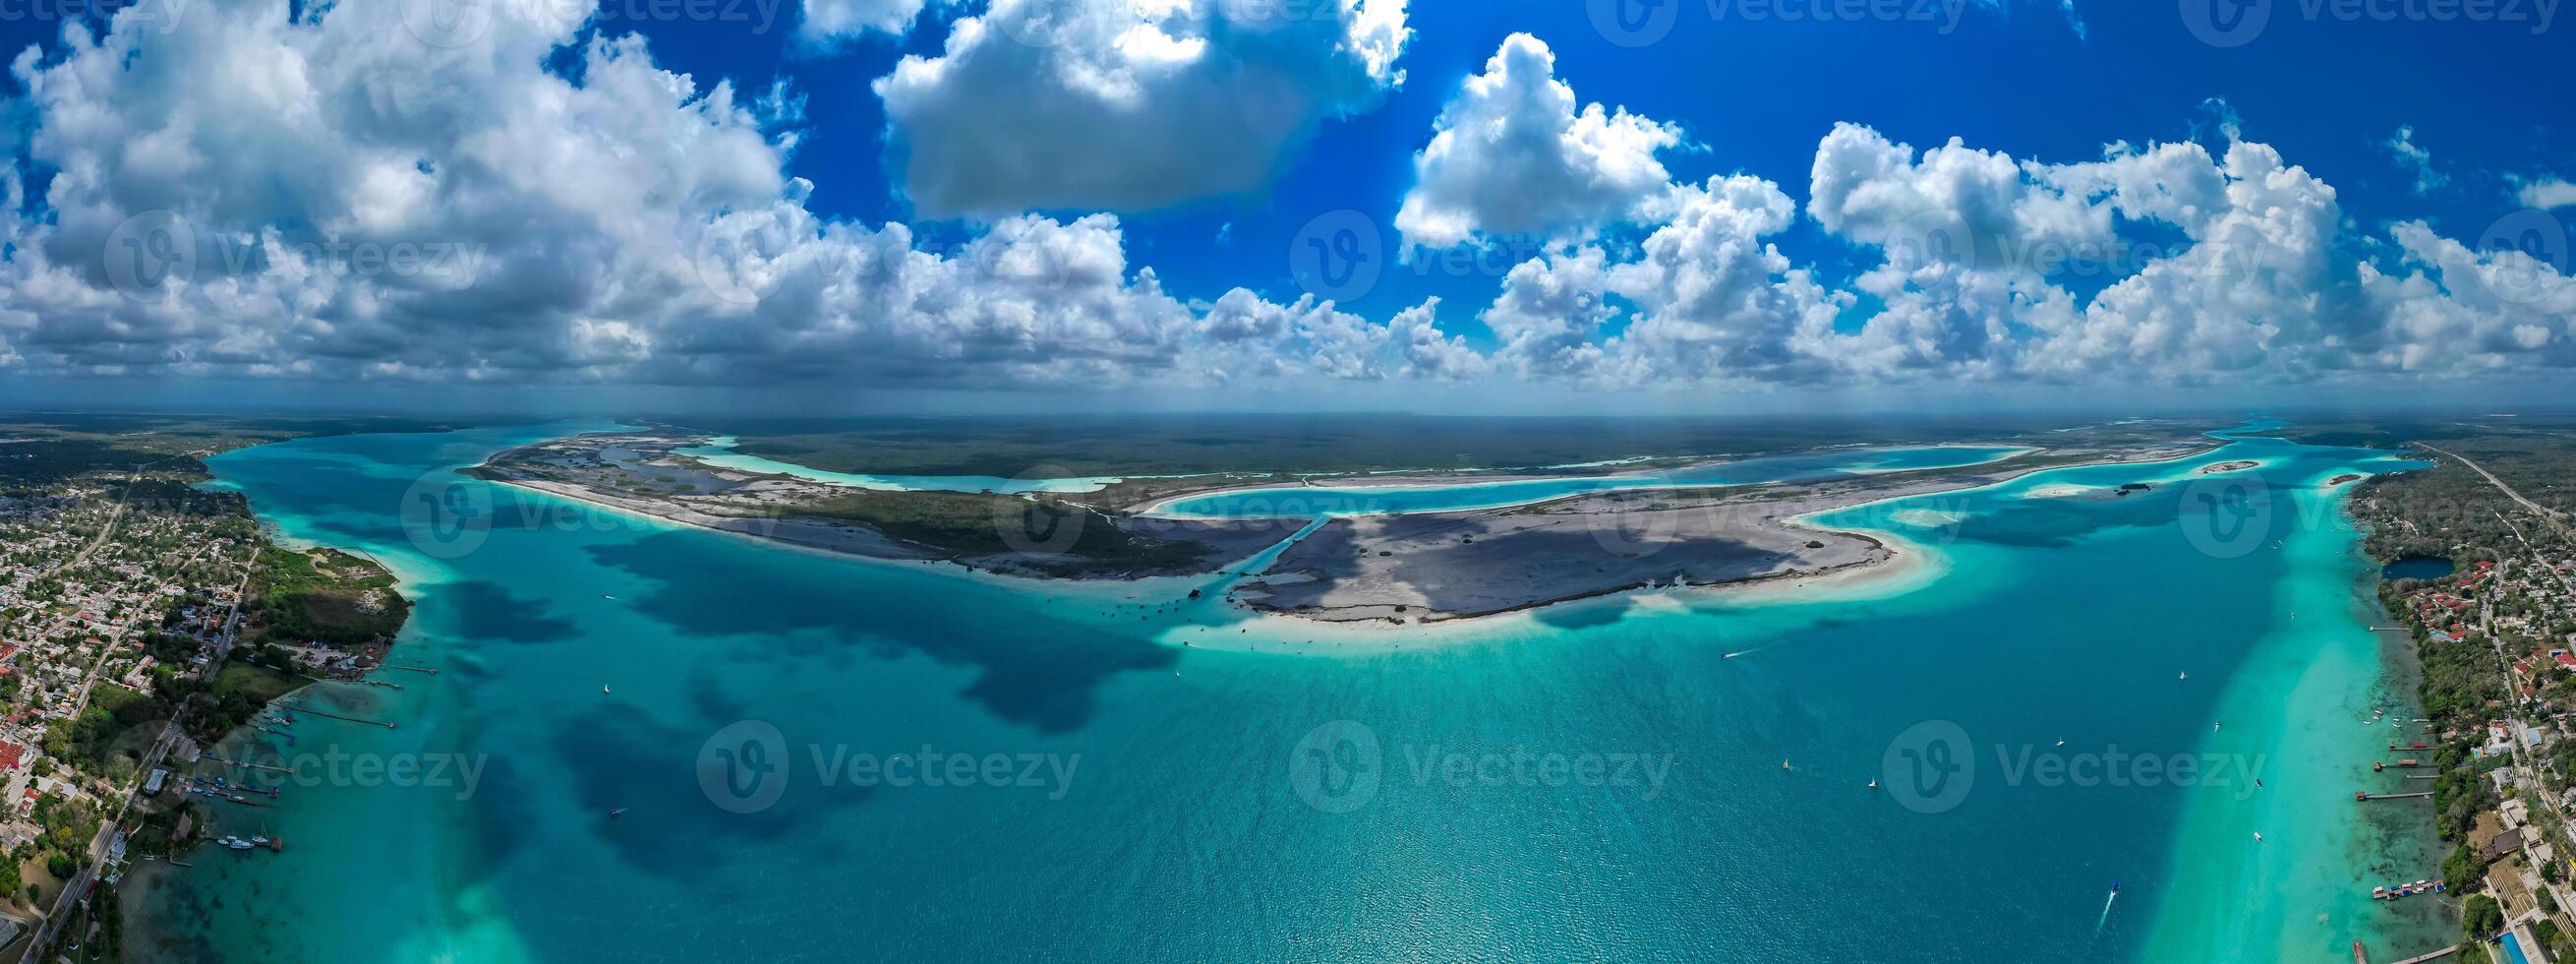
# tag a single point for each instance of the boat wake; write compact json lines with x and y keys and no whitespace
{"x":2106,"y":911}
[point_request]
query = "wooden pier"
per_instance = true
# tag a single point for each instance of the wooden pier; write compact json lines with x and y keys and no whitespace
{"x":2436,"y":955}
{"x":249,"y":765}
{"x":2391,"y":796}
{"x":346,"y":719}
{"x":416,"y":669}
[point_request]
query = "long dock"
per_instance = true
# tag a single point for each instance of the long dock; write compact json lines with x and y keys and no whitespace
{"x":416,"y":669}
{"x":353,"y":719}
{"x":2391,"y":796}
{"x":2436,"y":955}
{"x":248,"y":764}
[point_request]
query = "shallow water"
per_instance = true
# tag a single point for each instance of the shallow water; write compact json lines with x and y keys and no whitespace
{"x":1342,"y":500}
{"x":1590,"y":781}
{"x":720,"y":452}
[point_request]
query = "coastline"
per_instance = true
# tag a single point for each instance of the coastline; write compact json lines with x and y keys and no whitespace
{"x":1805,"y":699}
{"x":1881,"y":544}
{"x":1418,"y":480}
{"x":2309,"y":680}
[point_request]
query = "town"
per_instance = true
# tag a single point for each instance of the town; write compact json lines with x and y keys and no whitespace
{"x":142,"y":618}
{"x":2481,"y":554}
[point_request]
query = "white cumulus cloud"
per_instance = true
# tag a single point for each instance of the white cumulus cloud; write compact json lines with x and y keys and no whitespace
{"x":1129,"y":104}
{"x":1513,"y":153}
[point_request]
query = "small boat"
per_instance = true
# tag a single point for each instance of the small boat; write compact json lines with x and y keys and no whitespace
{"x":1784,"y":764}
{"x":608,"y":597}
{"x":2115,"y":886}
{"x":2258,"y":836}
{"x":617,"y":811}
{"x":1873,"y":784}
{"x":1730,"y":655}
{"x":259,"y":841}
{"x":2186,"y":675}
{"x":2213,"y":724}
{"x":2061,"y":742}
{"x":603,"y":687}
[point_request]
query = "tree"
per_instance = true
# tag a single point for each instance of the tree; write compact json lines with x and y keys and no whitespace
{"x":2461,"y":870}
{"x":2481,"y":917}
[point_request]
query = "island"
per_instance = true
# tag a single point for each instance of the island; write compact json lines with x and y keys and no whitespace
{"x":1411,"y":567}
{"x":1032,"y":536}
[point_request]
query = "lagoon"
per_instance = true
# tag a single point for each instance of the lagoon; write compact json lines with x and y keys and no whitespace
{"x":2419,"y":567}
{"x":1345,"y":499}
{"x":1315,"y":793}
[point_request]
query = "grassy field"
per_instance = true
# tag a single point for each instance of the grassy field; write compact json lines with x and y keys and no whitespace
{"x":323,"y":596}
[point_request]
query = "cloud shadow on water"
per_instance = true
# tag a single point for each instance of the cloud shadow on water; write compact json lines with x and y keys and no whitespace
{"x":1035,"y":669}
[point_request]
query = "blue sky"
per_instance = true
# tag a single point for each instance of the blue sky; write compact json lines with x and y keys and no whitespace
{"x":2397,"y":129}
{"x":1757,"y":95}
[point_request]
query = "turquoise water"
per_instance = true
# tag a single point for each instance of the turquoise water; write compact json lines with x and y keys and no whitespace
{"x":720,"y":453}
{"x":1430,"y":795}
{"x":1339,"y":500}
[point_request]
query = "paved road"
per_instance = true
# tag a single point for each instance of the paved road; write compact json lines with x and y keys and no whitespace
{"x":98,"y":845}
{"x":2544,"y":511}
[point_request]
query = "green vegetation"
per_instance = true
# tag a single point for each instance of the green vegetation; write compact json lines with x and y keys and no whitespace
{"x":48,"y":447}
{"x":241,"y":689}
{"x":323,"y":596}
{"x":111,"y":734}
{"x":975,"y":524}
{"x":2481,"y":917}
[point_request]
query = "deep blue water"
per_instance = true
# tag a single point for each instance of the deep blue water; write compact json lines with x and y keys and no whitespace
{"x":2419,"y":567}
